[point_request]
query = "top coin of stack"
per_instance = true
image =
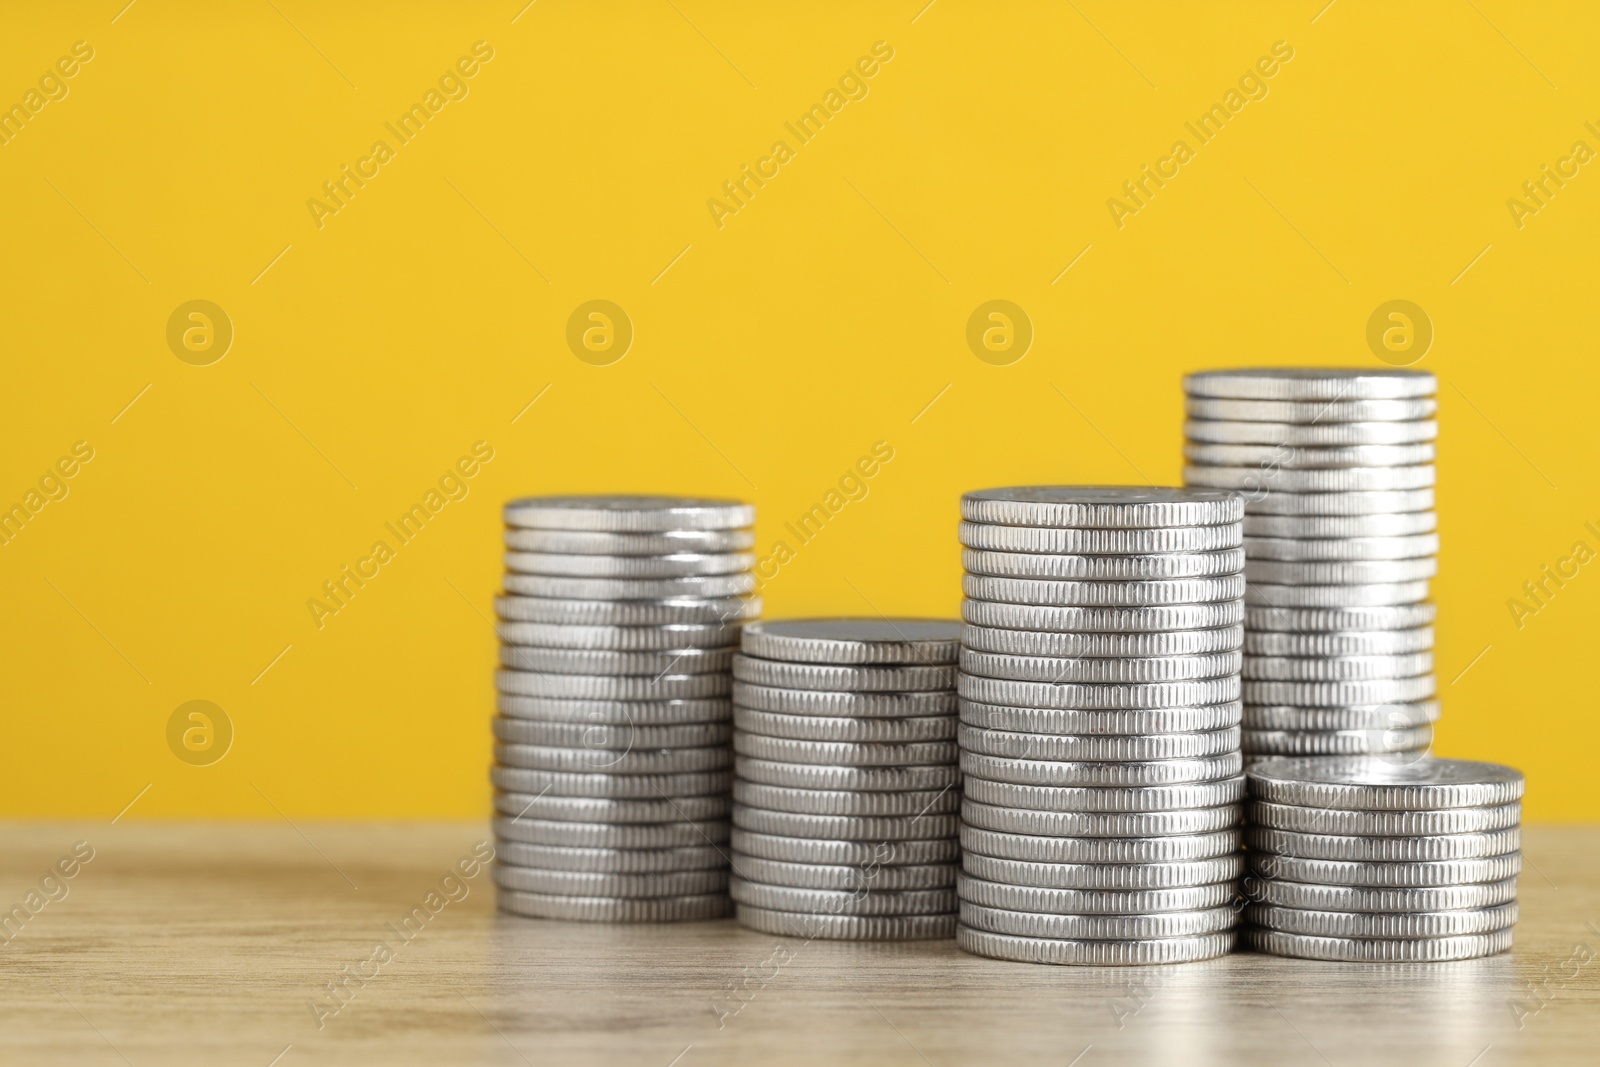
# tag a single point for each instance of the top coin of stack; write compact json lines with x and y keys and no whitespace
{"x":619,"y":622}
{"x":1100,"y":724}
{"x":1336,"y":466}
{"x":845,"y":780}
{"x":1373,"y":859}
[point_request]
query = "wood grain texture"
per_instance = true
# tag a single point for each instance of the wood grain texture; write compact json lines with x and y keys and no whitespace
{"x":207,"y":944}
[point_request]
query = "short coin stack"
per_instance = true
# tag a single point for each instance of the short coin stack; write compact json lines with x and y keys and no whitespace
{"x":845,"y":781}
{"x":619,"y":622}
{"x":1337,"y":471}
{"x":1374,"y":859}
{"x":1100,"y":724}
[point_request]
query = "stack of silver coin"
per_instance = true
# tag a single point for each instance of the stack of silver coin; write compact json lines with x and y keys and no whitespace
{"x":1377,"y":859}
{"x":1100,"y":724}
{"x":845,"y":781}
{"x":1337,"y":471}
{"x":619,"y":623}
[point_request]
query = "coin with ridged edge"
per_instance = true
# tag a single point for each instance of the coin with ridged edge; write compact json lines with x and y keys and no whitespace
{"x":614,"y":909}
{"x":1363,"y":717}
{"x":679,"y":565}
{"x":640,"y":713}
{"x":612,"y":860}
{"x":610,"y":786}
{"x":1094,"y":953}
{"x":1330,"y":846}
{"x":609,"y":589}
{"x":1094,"y":901}
{"x":1269,"y":501}
{"x":1099,"y":927}
{"x":1106,"y":697}
{"x":1100,"y":506}
{"x":875,"y":678}
{"x":865,"y":779}
{"x":610,"y":835}
{"x":1339,"y":643}
{"x":1071,"y":722}
{"x":1311,"y":383}
{"x":841,"y":829}
{"x":598,"y":543}
{"x":1087,"y":542}
{"x":1157,"y":618}
{"x":812,"y":926}
{"x":627,"y":514}
{"x":1115,"y":669}
{"x":853,"y":641}
{"x":613,"y":761}
{"x":605,"y":662}
{"x":1311,"y":435}
{"x":844,"y":728}
{"x":1371,"y":594}
{"x":1073,"y":747}
{"x":1310,"y":411}
{"x":1035,"y":849}
{"x":1365,"y":925}
{"x":600,"y":884}
{"x":611,"y":687}
{"x":626,"y":736}
{"x":618,"y":638}
{"x":1101,"y":772}
{"x":1341,"y":571}
{"x":846,"y":801}
{"x":608,"y":810}
{"x":1379,"y":901}
{"x":1103,"y":568}
{"x":1335,"y":619}
{"x":1377,"y":784}
{"x":1204,"y":454}
{"x":1337,"y":668}
{"x":1102,"y":645}
{"x":1396,"y":875}
{"x":1318,"y":480}
{"x":1104,"y":799}
{"x":1104,"y":875}
{"x":562,"y":611}
{"x":844,"y":753}
{"x":1349,"y":549}
{"x":842,"y":902}
{"x":1374,"y":741}
{"x":1340,"y":694}
{"x":1046,"y":592}
{"x":1352,"y":950}
{"x":837,"y":702}
{"x":1095,"y":824}
{"x":1383,"y":823}
{"x":870,"y":877}
{"x":845,"y":853}
{"x":1334,"y":528}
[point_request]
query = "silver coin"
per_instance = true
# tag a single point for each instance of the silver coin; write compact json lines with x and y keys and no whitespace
{"x":1331,"y":846}
{"x":1095,"y":697}
{"x":1099,"y":927}
{"x":1379,"y":900}
{"x":1314,"y":412}
{"x":1052,"y":593}
{"x":640,"y":713}
{"x":872,"y":829}
{"x":1052,"y":746}
{"x":606,"y":884}
{"x":1094,"y":953}
{"x":1321,"y":480}
{"x":845,"y":642}
{"x":913,"y":803}
{"x":606,"y":662}
{"x":1094,"y":824}
{"x":1340,"y":694}
{"x":611,"y":786}
{"x":1043,"y":900}
{"x":1121,"y":670}
{"x":520,"y":806}
{"x":1311,"y":435}
{"x":665,"y":543}
{"x":1330,"y":620}
{"x":842,"y":902}
{"x":1103,"y":568}
{"x":1274,"y":501}
{"x":1330,"y":668}
{"x":1155,"y":798}
{"x":1037,"y":849}
{"x":618,"y":638}
{"x":851,"y":705}
{"x":1364,"y":925}
{"x":1380,"y":785}
{"x":704,"y":588}
{"x":842,"y":728}
{"x":1092,"y":645}
{"x":611,"y":687}
{"x":613,"y":761}
{"x":1101,"y":773}
{"x":614,"y":909}
{"x":873,"y":877}
{"x":627,"y":514}
{"x":1311,"y":384}
{"x":844,"y":753}
{"x":1334,"y":527}
{"x":1104,"y":875}
{"x":1204,"y":454}
{"x":868,"y":679}
{"x":1360,"y":717}
{"x":812,"y":926}
{"x":1341,"y":571}
{"x":1100,"y":506}
{"x":853,"y":854}
{"x":866,"y":779}
{"x":1384,"y":823}
{"x":672,"y":835}
{"x":1099,"y":542}
{"x":1085,"y":723}
{"x":680,"y":565}
{"x":1339,"y":643}
{"x":604,"y":736}
{"x":1342,"y":548}
{"x":1420,"y":950}
{"x":1371,"y":742}
{"x":1152,"y":619}
{"x":1397,"y":874}
{"x":612,"y":860}
{"x":719,"y":610}
{"x":1266,"y":594}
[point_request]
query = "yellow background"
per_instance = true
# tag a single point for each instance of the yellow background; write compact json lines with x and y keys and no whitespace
{"x":823,"y":317}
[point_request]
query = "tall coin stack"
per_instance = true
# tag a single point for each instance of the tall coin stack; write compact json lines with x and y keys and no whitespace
{"x":1372,"y":859}
{"x":618,"y":625}
{"x":1337,"y":471}
{"x":1100,"y":724}
{"x":845,"y":781}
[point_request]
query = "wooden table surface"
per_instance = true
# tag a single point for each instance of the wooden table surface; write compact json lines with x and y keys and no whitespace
{"x":211,"y":944}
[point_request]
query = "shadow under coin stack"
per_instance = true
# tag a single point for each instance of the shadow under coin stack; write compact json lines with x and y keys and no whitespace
{"x":1337,"y":471}
{"x":1100,"y":724}
{"x":619,"y":622}
{"x":1374,"y":860}
{"x":845,"y":781}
